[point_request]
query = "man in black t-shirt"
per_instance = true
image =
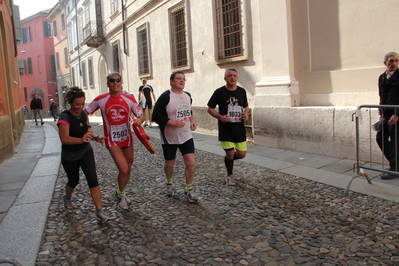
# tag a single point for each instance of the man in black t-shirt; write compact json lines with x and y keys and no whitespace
{"x":146,"y":91}
{"x":233,"y":111}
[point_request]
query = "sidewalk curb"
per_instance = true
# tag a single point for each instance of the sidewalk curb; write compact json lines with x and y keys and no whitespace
{"x":22,"y":228}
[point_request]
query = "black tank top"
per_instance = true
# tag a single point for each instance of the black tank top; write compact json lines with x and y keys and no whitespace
{"x":77,"y":128}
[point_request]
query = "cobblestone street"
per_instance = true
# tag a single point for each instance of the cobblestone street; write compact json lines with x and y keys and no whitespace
{"x":269,"y":218}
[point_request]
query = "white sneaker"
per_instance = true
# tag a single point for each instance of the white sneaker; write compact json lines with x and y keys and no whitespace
{"x":150,"y":125}
{"x":145,"y":124}
{"x":123,"y":203}
{"x":191,"y":196}
{"x":230,"y":180}
{"x":117,"y":197}
{"x":170,"y":191}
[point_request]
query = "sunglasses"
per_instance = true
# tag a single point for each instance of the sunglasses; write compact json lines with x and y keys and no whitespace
{"x":114,"y":80}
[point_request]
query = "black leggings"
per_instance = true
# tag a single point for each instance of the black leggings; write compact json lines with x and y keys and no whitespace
{"x":88,"y":166}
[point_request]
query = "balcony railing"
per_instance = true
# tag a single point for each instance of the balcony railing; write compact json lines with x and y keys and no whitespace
{"x":93,"y":34}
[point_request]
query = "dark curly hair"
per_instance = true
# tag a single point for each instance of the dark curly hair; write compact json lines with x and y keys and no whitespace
{"x":73,"y":93}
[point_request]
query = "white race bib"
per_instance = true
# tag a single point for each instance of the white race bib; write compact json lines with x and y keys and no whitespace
{"x":119,"y":133}
{"x":183,"y":112}
{"x":235,"y":113}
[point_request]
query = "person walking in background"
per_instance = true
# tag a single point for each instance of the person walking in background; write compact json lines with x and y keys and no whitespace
{"x":174,"y":116}
{"x":116,"y":110}
{"x":25,"y":110}
{"x":75,"y":135}
{"x":233,"y":111}
{"x":53,"y":109}
{"x":36,"y":106}
{"x":149,"y":94}
{"x":387,"y":137}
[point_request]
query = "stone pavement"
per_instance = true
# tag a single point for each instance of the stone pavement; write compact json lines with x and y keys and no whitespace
{"x":276,"y":215}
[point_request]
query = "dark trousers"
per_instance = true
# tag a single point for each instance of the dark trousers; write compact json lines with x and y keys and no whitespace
{"x":54,"y":114}
{"x":387,"y":140}
{"x":88,"y":165}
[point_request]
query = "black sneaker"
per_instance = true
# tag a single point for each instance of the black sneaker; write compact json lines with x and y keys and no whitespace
{"x":387,"y":176}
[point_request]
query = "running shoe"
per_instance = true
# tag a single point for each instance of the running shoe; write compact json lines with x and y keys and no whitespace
{"x":101,"y":216}
{"x":117,"y":196}
{"x":67,"y":204}
{"x":145,"y":124}
{"x":191,"y":196}
{"x":170,"y":191}
{"x":230,"y":180}
{"x":123,"y":202}
{"x":150,"y":125}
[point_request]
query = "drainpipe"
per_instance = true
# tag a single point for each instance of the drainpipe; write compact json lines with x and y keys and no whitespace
{"x":125,"y":48}
{"x":77,"y":38}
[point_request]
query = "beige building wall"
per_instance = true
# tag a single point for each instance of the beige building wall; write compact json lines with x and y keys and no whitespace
{"x":339,"y":48}
{"x":306,"y":65}
{"x":336,"y":54}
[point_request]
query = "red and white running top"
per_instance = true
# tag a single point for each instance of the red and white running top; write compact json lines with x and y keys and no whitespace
{"x":116,"y":112}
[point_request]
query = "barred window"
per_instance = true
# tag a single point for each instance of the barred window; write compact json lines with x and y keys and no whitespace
{"x":90,"y":70}
{"x":229,"y":29}
{"x":142,"y":47}
{"x":84,"y":79}
{"x":178,"y":38}
{"x":115,"y":57}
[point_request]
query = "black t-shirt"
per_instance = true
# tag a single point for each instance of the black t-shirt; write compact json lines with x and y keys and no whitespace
{"x":146,"y":89}
{"x":77,"y":128}
{"x":232,"y":102}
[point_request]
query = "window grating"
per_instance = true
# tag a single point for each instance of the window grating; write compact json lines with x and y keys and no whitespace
{"x":229,"y":29}
{"x":90,"y":70}
{"x":142,"y":46}
{"x":178,"y":38}
{"x":115,"y":57}
{"x":84,"y":74}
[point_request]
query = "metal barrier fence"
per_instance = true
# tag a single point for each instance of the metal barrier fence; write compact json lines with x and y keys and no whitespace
{"x":365,"y":123}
